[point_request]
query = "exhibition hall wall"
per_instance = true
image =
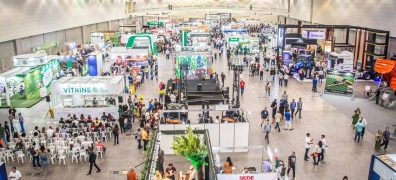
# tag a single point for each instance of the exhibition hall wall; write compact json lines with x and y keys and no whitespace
{"x":23,"y":18}
{"x":378,"y":14}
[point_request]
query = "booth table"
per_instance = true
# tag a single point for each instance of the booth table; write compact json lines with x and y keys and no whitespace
{"x":228,"y":119}
{"x":75,"y":95}
{"x":173,"y":121}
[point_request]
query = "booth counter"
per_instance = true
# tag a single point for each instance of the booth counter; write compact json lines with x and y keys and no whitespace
{"x":382,"y":167}
{"x":87,"y":95}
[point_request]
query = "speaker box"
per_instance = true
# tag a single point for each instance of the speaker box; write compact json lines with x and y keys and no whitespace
{"x":199,"y":87}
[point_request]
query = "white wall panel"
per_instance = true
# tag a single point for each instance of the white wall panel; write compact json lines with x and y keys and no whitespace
{"x":31,"y":17}
{"x":25,"y":45}
{"x":74,"y":35}
{"x":113,"y":25}
{"x":300,"y":9}
{"x":57,"y":36}
{"x":103,"y":26}
{"x":7,"y":50}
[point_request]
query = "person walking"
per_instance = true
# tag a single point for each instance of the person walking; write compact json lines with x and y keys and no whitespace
{"x":264,"y":115}
{"x":116,"y":133}
{"x":242,"y":86}
{"x":167,"y":53}
{"x":358,"y":131}
{"x":132,"y":175}
{"x":378,"y":140}
{"x":308,"y":142}
{"x":44,"y":158}
{"x":286,"y":79}
{"x":280,"y":79}
{"x":261,"y":74}
{"x":385,"y":138}
{"x":223,"y":77}
{"x":292,"y":164}
{"x":267,"y":129}
{"x":278,"y":118}
{"x":292,"y":106}
{"x":356,"y":116}
{"x":288,"y":120}
{"x":145,"y":139}
{"x":316,"y":151}
{"x":268,"y":89}
{"x":323,"y":145}
{"x":364,"y":121}
{"x":274,"y":106}
{"x":299,"y":108}
{"x":92,"y":161}
{"x":34,"y":152}
{"x":377,"y":95}
{"x":21,"y":122}
{"x":314,"y":84}
{"x":138,"y":137}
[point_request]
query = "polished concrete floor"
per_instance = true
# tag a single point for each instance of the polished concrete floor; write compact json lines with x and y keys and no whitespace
{"x":327,"y":114}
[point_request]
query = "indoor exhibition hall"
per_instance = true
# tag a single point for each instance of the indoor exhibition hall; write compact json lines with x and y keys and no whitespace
{"x":197,"y":89}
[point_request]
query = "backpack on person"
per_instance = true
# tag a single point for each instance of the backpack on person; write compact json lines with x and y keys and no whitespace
{"x":283,"y":171}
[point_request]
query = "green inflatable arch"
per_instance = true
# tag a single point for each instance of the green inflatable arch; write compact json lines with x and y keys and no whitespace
{"x":131,"y":41}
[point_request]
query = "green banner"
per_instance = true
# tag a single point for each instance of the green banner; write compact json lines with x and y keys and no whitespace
{"x":233,"y":39}
{"x":155,"y":23}
{"x":340,"y":82}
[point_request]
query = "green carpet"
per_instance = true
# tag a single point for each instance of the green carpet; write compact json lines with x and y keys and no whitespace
{"x":19,"y":101}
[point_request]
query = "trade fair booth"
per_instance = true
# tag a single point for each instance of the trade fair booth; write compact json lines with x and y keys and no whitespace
{"x":87,"y":95}
{"x":248,"y":44}
{"x":143,"y":40}
{"x":21,"y":87}
{"x":134,"y":57}
{"x":198,"y":65}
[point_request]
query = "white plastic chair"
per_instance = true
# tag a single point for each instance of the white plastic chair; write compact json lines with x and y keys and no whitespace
{"x":3,"y":157}
{"x":99,"y":151}
{"x":52,"y":158}
{"x":10,"y":154}
{"x":20,"y":155}
{"x":62,"y":157}
{"x":84,"y":154}
{"x":103,"y":135}
{"x":74,"y":155}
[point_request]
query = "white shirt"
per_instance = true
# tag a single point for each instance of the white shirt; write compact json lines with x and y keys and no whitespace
{"x":15,"y":175}
{"x":308,"y":141}
{"x":364,"y":121}
{"x":50,"y":133}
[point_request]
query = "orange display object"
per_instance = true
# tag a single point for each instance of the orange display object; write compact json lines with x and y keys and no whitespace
{"x":388,"y":69}
{"x":384,"y":66}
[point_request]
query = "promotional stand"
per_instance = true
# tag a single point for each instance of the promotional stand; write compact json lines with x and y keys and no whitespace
{"x":87,"y":95}
{"x":382,"y":167}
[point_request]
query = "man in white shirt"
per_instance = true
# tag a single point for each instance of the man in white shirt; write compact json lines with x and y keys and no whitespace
{"x":15,"y":174}
{"x":308,"y":142}
{"x":216,"y":120}
{"x":50,"y":132}
{"x":323,"y":146}
{"x":364,"y":121}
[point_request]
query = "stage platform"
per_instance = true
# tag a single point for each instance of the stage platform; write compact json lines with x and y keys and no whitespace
{"x":210,"y":91}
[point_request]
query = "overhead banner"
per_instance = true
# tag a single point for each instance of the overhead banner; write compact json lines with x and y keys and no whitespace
{"x":340,"y":82}
{"x":314,"y":34}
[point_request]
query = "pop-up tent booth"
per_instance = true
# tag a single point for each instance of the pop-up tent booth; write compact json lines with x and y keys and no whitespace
{"x":76,"y":95}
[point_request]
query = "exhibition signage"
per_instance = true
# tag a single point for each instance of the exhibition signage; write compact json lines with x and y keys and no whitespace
{"x":233,"y":39}
{"x":3,"y":84}
{"x":340,"y":82}
{"x":269,"y":176}
{"x":92,"y":65}
{"x":155,"y":23}
{"x":314,"y":34}
{"x":281,"y":36}
{"x":97,"y":38}
{"x":286,"y":56}
{"x":83,"y":89}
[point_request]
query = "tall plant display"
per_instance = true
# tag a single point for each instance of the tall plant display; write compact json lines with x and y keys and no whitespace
{"x":189,"y":146}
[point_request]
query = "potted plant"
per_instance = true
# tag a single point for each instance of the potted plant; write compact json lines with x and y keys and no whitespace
{"x":190,"y":146}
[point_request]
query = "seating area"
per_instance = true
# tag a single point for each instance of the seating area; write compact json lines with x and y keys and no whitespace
{"x":66,"y":144}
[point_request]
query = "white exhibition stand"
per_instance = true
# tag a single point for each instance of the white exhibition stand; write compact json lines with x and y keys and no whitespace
{"x":230,"y":137}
